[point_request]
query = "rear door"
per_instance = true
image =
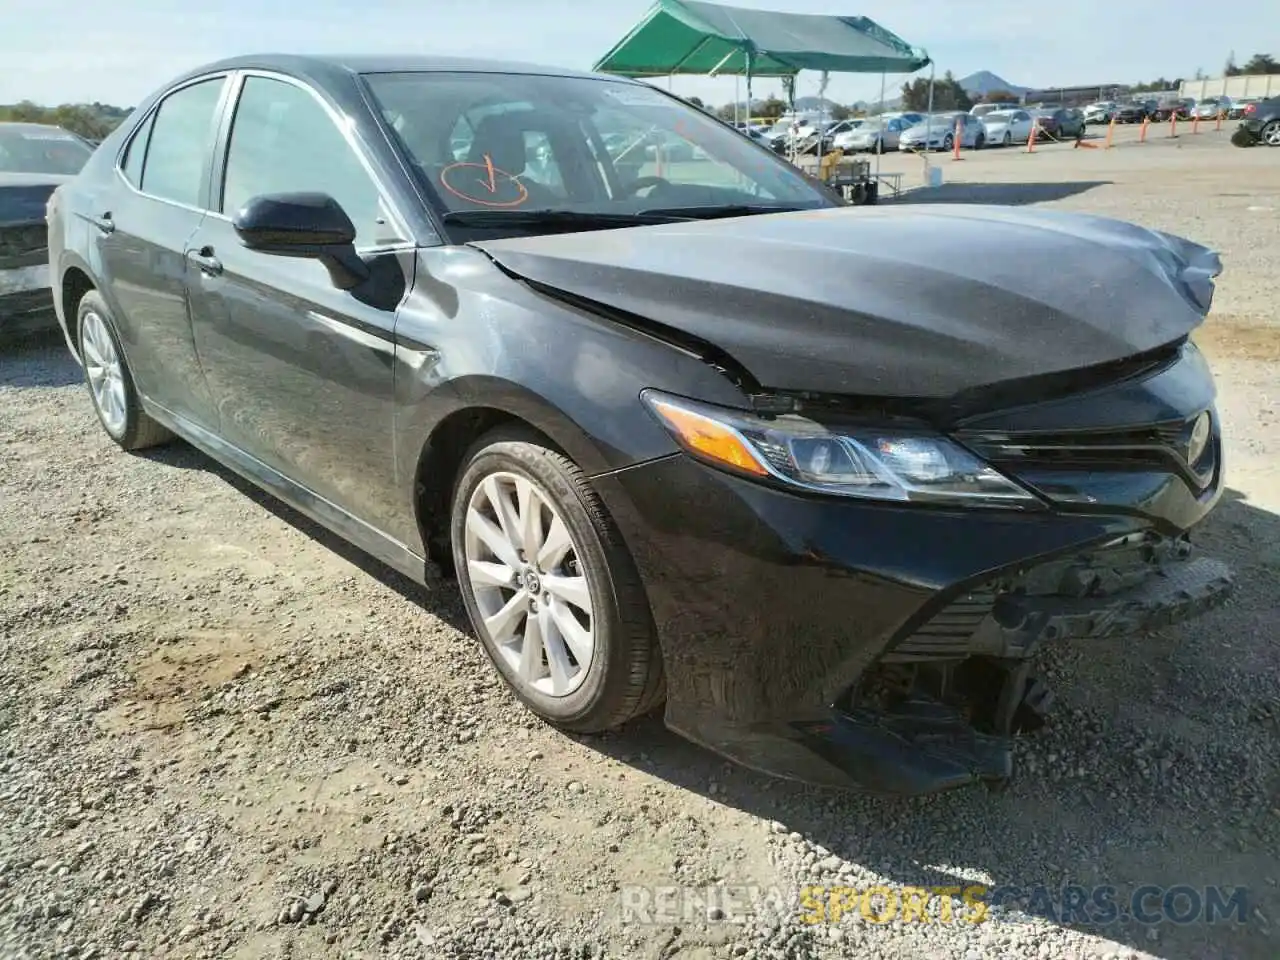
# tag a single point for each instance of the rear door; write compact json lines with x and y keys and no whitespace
{"x":145,"y":221}
{"x":301,"y":371}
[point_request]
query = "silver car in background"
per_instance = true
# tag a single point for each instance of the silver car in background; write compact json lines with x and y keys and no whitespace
{"x":873,"y":134}
{"x":939,"y":133}
{"x":1208,"y":108}
{"x":1008,"y":126}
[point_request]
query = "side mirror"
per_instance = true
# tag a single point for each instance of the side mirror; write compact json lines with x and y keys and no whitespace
{"x":308,"y":225}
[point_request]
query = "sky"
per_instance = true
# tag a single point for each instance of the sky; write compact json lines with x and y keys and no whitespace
{"x":117,"y":51}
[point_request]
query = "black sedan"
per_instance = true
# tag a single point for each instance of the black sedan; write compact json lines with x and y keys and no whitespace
{"x":34,"y":159}
{"x":1259,"y":124}
{"x":822,"y":480}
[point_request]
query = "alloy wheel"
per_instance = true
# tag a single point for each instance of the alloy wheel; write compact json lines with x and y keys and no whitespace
{"x":106,"y":376}
{"x":1271,"y":134}
{"x":529,"y":582}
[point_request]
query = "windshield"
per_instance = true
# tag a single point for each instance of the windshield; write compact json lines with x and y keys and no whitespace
{"x":35,"y":149}
{"x":524,"y":143}
{"x":999,"y":116}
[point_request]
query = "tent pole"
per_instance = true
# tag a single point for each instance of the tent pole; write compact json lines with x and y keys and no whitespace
{"x":881,"y":150}
{"x":928,"y":124}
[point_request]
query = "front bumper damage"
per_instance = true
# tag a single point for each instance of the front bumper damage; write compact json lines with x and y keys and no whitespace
{"x":948,"y":698}
{"x":26,"y":297}
{"x":892,"y":649}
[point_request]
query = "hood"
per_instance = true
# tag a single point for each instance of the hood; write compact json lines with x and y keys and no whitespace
{"x":918,"y":302}
{"x":23,"y":196}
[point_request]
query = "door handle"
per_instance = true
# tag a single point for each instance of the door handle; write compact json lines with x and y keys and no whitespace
{"x":104,"y":223}
{"x":206,"y":261}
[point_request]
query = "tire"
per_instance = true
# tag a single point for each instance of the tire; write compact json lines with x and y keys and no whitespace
{"x":622,"y":677}
{"x":948,"y":142}
{"x":979,"y":141}
{"x":878,"y":147}
{"x":107,"y":377}
{"x":1270,"y":133}
{"x":1007,"y":139}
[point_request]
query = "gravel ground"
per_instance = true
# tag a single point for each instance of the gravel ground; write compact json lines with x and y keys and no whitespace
{"x":224,"y":734}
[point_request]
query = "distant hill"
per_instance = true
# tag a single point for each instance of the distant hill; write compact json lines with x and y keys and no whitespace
{"x":984,"y":81}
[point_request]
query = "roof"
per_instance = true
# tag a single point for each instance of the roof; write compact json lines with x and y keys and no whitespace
{"x":382,"y":63}
{"x":693,"y":37}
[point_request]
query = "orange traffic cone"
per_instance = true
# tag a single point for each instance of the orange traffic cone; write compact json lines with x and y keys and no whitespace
{"x":1219,"y":126}
{"x":956,"y":141}
{"x":1031,"y":140}
{"x":1173,"y":124}
{"x":1195,"y":122}
{"x":1111,"y":130}
{"x":1142,"y":134}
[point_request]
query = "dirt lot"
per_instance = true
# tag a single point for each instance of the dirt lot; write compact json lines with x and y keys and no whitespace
{"x":222,"y":734}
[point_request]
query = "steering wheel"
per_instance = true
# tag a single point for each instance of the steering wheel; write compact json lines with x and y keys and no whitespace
{"x":639,"y":183}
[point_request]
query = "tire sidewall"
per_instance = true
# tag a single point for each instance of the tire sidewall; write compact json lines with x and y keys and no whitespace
{"x":93,"y":302}
{"x":530,"y":461}
{"x":1272,"y":125}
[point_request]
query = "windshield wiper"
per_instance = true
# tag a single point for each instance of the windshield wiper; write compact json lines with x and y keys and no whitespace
{"x":554,"y":218}
{"x":721,"y":210}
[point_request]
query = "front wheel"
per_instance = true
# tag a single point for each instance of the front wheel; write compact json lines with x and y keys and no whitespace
{"x":979,"y":141}
{"x":1007,"y":139}
{"x":948,"y":142}
{"x":550,"y":588}
{"x":111,"y":387}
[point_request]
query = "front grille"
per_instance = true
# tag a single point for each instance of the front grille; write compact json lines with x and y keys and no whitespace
{"x":23,"y":245}
{"x":1161,"y":446}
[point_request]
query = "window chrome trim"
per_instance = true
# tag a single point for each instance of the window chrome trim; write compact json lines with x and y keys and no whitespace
{"x":225,"y":76}
{"x":344,"y":128}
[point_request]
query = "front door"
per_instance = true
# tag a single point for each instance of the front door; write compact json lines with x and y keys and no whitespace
{"x":144,"y":224}
{"x":300,"y":370}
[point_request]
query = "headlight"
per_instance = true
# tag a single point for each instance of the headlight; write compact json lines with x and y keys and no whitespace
{"x":878,"y":464}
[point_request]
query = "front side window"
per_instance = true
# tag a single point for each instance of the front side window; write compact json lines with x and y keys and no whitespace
{"x":180,"y":143}
{"x":284,"y":141}
{"x":489,"y":141}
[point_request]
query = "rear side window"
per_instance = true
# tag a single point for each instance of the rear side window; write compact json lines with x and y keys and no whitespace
{"x":137,"y":152}
{"x":181,"y":140}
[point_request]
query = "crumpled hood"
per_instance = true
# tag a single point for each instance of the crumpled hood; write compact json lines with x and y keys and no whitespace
{"x":921,"y":301}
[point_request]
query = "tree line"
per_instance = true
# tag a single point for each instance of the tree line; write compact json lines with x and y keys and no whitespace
{"x":93,"y":121}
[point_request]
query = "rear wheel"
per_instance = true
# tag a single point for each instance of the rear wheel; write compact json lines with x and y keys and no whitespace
{"x":550,"y":588}
{"x":1007,"y":139}
{"x":111,"y":388}
{"x":1270,"y":134}
{"x":948,"y":142}
{"x":980,"y":141}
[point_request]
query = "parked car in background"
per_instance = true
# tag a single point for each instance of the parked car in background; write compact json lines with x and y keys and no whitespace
{"x":1238,"y":105}
{"x":34,"y":160}
{"x":1061,"y":123}
{"x":1179,"y":107}
{"x":874,"y":135}
{"x":980,"y":110}
{"x":1261,"y":124}
{"x":1210,"y":108}
{"x":1130,"y":111}
{"x":1004,"y":127}
{"x":1100,"y":112}
{"x":938,"y":132}
{"x":820,"y":484}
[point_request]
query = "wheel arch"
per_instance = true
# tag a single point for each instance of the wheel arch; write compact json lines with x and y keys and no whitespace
{"x":482,"y":405}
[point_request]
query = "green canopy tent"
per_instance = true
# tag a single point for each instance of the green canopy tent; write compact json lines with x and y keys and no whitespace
{"x":708,"y":39}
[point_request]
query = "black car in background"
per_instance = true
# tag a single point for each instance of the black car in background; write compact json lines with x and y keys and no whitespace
{"x":1180,"y":107}
{"x":1130,"y":111}
{"x":34,"y":159}
{"x":1061,"y":123}
{"x":1260,"y":124}
{"x":693,"y":434}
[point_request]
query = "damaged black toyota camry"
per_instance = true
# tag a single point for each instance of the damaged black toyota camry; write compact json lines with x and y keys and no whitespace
{"x":819,"y":481}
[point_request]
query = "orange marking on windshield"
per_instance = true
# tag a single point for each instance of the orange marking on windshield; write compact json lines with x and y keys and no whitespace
{"x":492,"y":185}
